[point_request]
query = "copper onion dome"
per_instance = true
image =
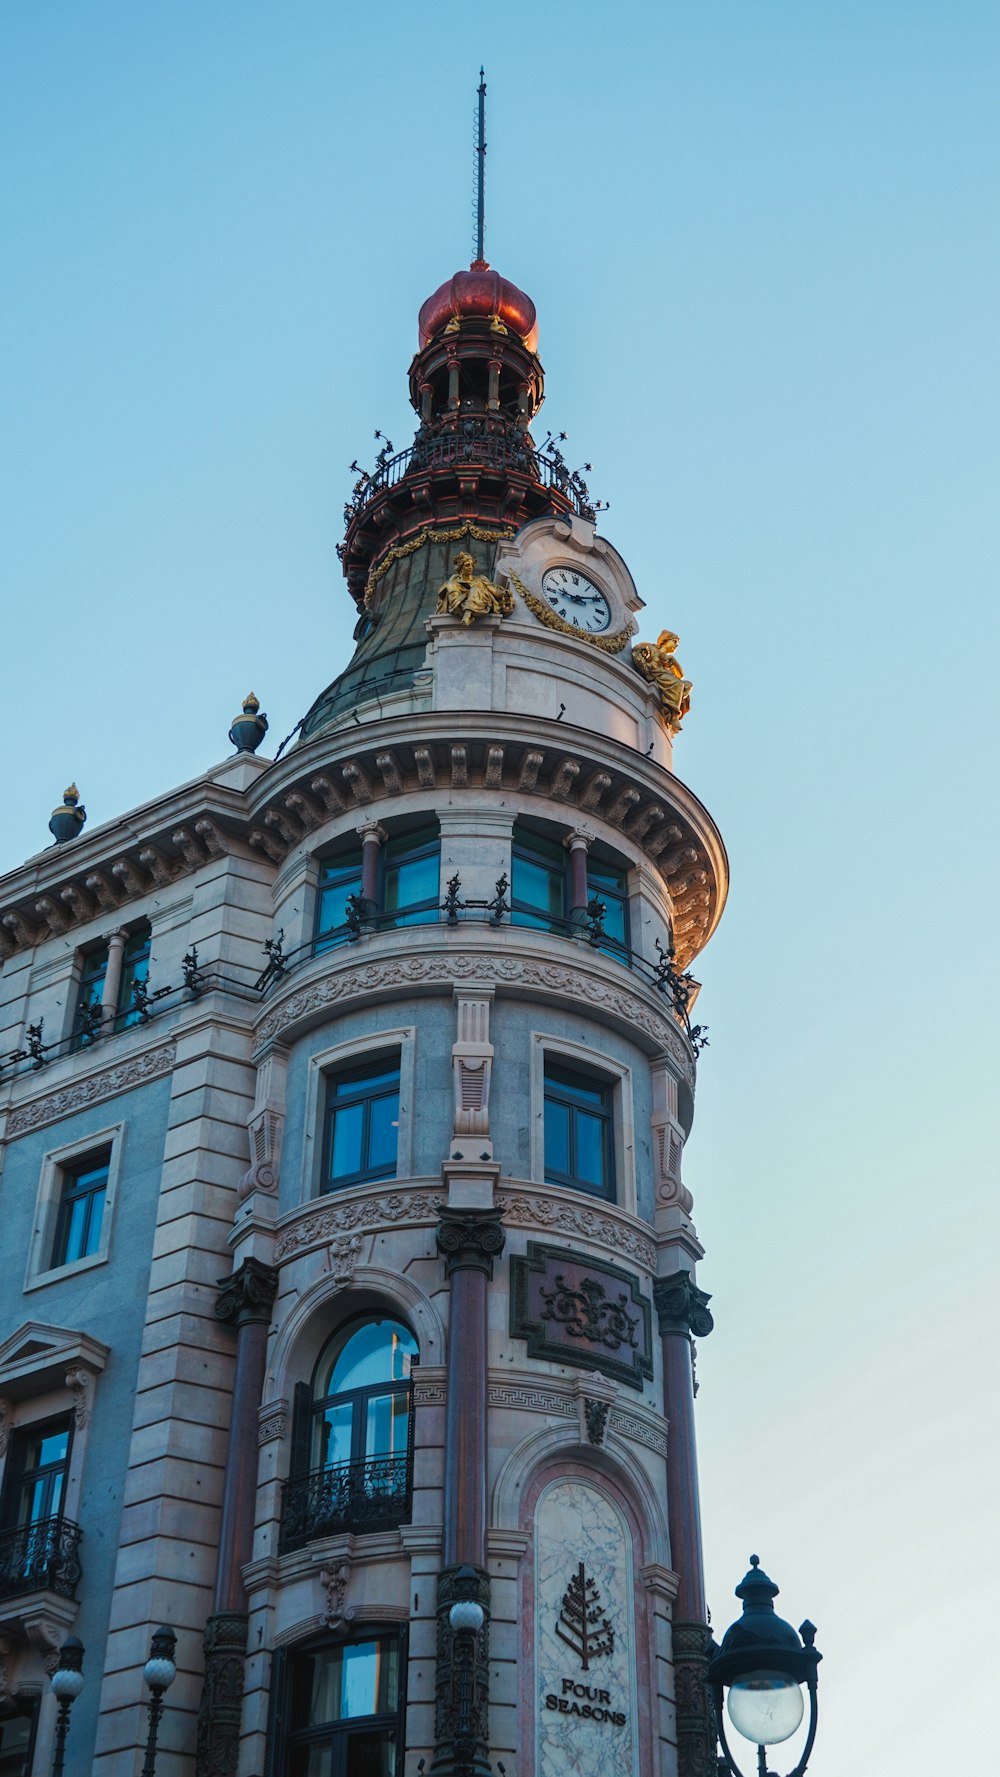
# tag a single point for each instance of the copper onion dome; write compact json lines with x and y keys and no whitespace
{"x":481,"y":294}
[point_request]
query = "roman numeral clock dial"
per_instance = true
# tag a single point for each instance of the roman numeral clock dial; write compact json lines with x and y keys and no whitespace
{"x":576,"y":600}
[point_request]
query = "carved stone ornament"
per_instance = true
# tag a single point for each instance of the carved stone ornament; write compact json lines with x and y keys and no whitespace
{"x":272,"y":1421}
{"x":528,"y":1210}
{"x":6,"y":1419}
{"x":222,"y":1695}
{"x":335,"y":1577}
{"x":681,"y":1307}
{"x":401,"y":972}
{"x":248,"y":1295}
{"x":326,"y":1224}
{"x":596,"y":1416}
{"x":105,"y":1084}
{"x":462,"y":1676}
{"x":696,"y":1732}
{"x":577,"y":1310}
{"x":344,"y":1254}
{"x":80,"y":1383}
{"x":470,"y":1240}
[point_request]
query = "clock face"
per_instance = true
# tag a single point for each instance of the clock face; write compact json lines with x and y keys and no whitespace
{"x":576,"y":600}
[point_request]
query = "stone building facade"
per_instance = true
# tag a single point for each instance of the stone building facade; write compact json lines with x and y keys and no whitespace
{"x":349,"y":1266}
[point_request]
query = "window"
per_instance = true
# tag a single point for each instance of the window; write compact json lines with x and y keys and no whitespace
{"x":338,"y":879}
{"x":81,"y":1210}
{"x":17,"y":1736}
{"x":540,"y":890}
{"x":579,"y":1131}
{"x":345,"y":1709}
{"x":33,"y":1538}
{"x":411,"y":879}
{"x":352,"y":1436}
{"x":362,"y":1124}
{"x":134,"y":967}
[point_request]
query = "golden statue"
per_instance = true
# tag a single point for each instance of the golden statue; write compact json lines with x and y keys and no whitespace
{"x":470,"y":595}
{"x":658,"y":663}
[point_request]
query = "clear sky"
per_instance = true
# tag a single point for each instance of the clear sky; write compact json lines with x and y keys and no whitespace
{"x":762,"y":238}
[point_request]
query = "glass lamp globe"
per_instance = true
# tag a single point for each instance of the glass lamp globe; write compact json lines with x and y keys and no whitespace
{"x":67,"y":1684}
{"x":765,"y":1707}
{"x":466,"y":1614}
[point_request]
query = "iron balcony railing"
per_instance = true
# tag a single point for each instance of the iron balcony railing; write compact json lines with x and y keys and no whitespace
{"x":40,"y":1557}
{"x":361,"y":1496}
{"x":484,"y":448}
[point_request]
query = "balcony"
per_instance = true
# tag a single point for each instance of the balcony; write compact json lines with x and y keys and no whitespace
{"x":356,"y":1496}
{"x":40,"y":1557}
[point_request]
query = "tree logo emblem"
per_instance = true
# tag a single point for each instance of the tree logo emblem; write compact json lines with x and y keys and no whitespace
{"x":582,"y":1624}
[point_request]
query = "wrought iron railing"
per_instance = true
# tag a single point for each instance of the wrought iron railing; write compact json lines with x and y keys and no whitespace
{"x":481,"y":444}
{"x":359,"y":1496}
{"x":40,"y":1557}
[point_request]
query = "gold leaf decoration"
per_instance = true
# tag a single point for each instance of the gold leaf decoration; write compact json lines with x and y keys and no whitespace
{"x":612,"y":644}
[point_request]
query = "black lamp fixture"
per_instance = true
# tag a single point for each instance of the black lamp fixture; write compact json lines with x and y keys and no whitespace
{"x":159,"y":1673}
{"x":67,"y":1683}
{"x":764,"y":1664}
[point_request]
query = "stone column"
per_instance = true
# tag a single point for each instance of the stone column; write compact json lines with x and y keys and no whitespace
{"x":112,"y":980}
{"x":373,"y":838}
{"x":245,"y":1302}
{"x":682,"y":1310}
{"x":578,"y":844}
{"x":469,"y":1240}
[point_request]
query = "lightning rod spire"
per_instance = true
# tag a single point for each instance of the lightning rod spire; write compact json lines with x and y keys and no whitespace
{"x":481,"y":170}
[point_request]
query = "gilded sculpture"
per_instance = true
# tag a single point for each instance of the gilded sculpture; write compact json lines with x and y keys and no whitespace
{"x":658,"y":663}
{"x":470,"y":595}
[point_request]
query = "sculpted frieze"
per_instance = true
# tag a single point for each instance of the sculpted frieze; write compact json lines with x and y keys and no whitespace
{"x":108,"y":1083}
{"x":531,"y":1210}
{"x":574,"y":1309}
{"x":334,"y":1219}
{"x":396,"y":972}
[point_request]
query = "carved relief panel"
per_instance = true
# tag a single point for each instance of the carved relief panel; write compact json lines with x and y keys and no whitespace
{"x":581,"y":1311}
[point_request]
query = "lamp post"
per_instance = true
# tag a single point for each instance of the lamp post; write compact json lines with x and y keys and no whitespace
{"x":159,"y":1673}
{"x":764,"y":1664}
{"x":67,"y":1683}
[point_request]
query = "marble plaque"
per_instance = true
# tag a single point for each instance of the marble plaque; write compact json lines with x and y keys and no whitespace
{"x":585,"y":1653}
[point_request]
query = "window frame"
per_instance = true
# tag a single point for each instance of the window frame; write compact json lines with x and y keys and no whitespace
{"x":585,"y":1059}
{"x":557,"y":862}
{"x":284,"y":1739}
{"x":16,"y":1477}
{"x":326,"y":938}
{"x":56,"y":1164}
{"x":93,"y":970}
{"x":375,"y":1072}
{"x":422,"y":842}
{"x":341,"y":1057}
{"x":604,"y":1110}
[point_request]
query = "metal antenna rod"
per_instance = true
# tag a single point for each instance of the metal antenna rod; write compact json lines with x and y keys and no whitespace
{"x":481,"y":170}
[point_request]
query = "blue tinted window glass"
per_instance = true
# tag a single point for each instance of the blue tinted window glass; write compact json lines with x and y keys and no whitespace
{"x":383,"y":1131}
{"x":347,"y":1146}
{"x":556,"y":1137}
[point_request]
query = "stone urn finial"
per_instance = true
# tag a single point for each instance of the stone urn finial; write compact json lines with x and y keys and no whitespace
{"x":248,"y":729}
{"x":67,"y":820}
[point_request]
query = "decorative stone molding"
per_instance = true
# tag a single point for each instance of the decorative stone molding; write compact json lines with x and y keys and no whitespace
{"x":531,"y":1400}
{"x":344,"y":1254}
{"x":272,"y":1421}
{"x":397,"y":973}
{"x":472,"y":1060}
{"x":248,"y":1295}
{"x":107,"y":1083}
{"x":6,"y":1419}
{"x":462,"y":1682}
{"x":470,"y":1240}
{"x":324,"y":1225}
{"x":596,"y":1416}
{"x":626,"y":1425}
{"x":681,"y":1307}
{"x":530,"y":1210}
{"x":696,"y":1733}
{"x":80,"y":1383}
{"x":335,"y":1577}
{"x":429,"y":1394}
{"x":573,"y":1309}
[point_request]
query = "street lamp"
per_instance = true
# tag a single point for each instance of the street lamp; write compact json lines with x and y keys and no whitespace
{"x":159,"y":1673}
{"x":764,"y":1664}
{"x":67,"y":1683}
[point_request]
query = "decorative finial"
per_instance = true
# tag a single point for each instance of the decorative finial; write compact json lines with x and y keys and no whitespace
{"x":755,"y":1561}
{"x":480,"y":260}
{"x":248,"y":729}
{"x":67,"y":820}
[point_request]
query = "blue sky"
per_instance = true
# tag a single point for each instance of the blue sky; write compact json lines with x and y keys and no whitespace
{"x":762,"y":239}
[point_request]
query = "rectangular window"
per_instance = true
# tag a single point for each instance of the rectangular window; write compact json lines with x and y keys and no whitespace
{"x":135,"y":967}
{"x":579,"y":1132}
{"x":346,"y":1704}
{"x":36,"y":1473}
{"x":17,"y":1736}
{"x":362,"y":1125}
{"x":95,"y":967}
{"x":81,"y":1210}
{"x":411,"y":879}
{"x":538,"y":883}
{"x":338,"y":879}
{"x":610,"y":886}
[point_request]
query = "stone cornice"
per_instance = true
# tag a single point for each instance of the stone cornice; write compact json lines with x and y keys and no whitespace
{"x":511,"y":958}
{"x":321,"y":1220}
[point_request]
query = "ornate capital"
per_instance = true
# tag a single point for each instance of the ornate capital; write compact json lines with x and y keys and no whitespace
{"x":248,"y":1295}
{"x":470,"y":1240}
{"x":681,"y":1307}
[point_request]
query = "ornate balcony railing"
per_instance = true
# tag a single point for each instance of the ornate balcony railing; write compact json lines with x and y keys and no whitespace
{"x":40,"y":1557}
{"x":358,"y":1496}
{"x":481,"y":443}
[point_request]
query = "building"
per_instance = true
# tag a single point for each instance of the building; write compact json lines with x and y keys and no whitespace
{"x":349,"y":1295}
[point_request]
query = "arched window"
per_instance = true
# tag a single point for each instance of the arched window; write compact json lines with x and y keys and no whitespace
{"x":353,"y":1453}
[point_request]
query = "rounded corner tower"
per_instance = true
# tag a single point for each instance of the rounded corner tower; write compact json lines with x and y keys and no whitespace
{"x":480,"y":1076}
